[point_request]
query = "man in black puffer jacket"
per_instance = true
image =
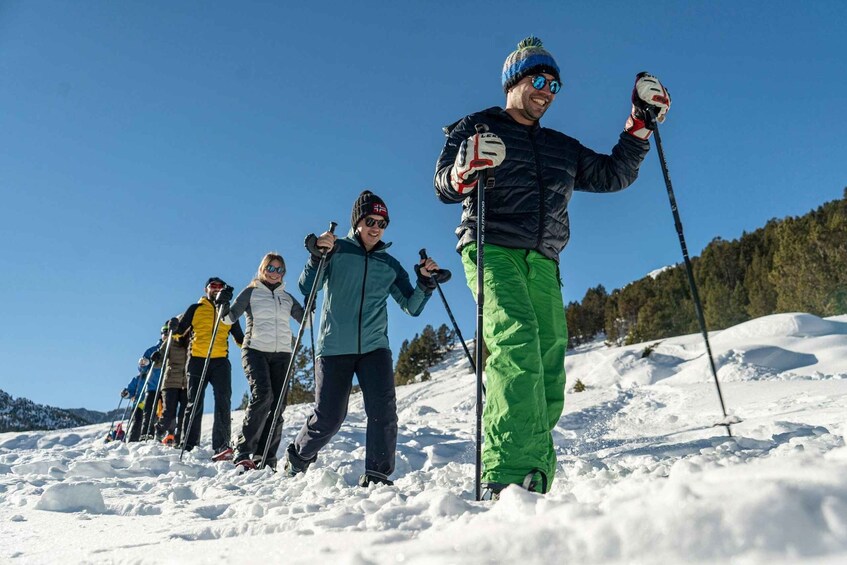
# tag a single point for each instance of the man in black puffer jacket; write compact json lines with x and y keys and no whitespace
{"x":536,"y":170}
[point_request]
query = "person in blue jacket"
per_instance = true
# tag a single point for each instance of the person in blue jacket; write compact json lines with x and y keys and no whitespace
{"x":358,"y":278}
{"x":144,"y":402}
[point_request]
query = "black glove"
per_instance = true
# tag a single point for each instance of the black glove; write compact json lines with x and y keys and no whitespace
{"x":425,"y":281}
{"x":156,"y":357}
{"x":222,"y":300}
{"x":124,"y":393}
{"x":224,"y":296}
{"x":443,"y":275}
{"x":311,"y":243}
{"x":173,"y":324}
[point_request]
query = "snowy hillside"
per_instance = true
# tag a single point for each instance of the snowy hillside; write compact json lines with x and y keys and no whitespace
{"x":643,"y":475}
{"x":20,"y":414}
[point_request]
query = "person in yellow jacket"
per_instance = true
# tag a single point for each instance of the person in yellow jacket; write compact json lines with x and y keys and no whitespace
{"x":200,"y":319}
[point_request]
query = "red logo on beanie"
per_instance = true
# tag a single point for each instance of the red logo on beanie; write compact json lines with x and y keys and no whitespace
{"x":379,"y":209}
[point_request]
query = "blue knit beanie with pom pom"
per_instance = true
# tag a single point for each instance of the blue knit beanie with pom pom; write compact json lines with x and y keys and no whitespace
{"x":530,"y":58}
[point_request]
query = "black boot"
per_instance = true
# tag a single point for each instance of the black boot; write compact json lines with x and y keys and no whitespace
{"x":374,"y":478}
{"x":533,"y":480}
{"x":491,"y":491}
{"x":294,"y":464}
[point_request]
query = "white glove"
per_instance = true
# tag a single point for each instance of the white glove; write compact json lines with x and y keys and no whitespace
{"x":648,"y":91}
{"x":479,"y":151}
{"x":143,"y":362}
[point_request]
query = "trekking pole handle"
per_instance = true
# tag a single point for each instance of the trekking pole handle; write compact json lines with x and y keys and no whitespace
{"x":332,"y":226}
{"x":650,"y":121}
{"x":424,"y":257}
{"x":486,"y":179}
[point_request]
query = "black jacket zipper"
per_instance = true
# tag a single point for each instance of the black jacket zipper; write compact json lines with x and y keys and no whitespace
{"x":541,"y":210}
{"x":362,"y":303}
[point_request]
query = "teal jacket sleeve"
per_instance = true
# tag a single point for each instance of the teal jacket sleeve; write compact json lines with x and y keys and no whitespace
{"x":411,"y":299}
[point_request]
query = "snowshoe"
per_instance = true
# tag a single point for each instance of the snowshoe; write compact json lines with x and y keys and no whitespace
{"x":169,"y":440}
{"x":245,"y":465}
{"x":224,"y":454}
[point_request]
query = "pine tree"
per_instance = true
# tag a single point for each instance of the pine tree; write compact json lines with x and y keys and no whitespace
{"x":446,"y":338}
{"x":420,"y":354}
{"x":302,"y":386}
{"x":810,"y":262}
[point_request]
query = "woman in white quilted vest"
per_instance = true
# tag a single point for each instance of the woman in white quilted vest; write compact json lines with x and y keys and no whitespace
{"x":265,"y":355}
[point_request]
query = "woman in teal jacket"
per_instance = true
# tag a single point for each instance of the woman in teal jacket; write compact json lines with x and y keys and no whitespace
{"x":358,"y":278}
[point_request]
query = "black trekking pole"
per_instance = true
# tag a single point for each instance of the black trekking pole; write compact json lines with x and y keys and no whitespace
{"x":126,"y":409}
{"x":161,"y":381}
{"x":486,"y":182}
{"x":444,"y":276}
{"x":112,"y":427}
{"x":652,"y":124}
{"x":187,"y":430}
{"x":312,"y":336}
{"x":283,"y":391}
{"x":138,"y":394}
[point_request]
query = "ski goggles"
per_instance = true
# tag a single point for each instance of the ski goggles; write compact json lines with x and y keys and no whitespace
{"x":381,"y":224}
{"x":272,"y":269}
{"x":539,"y":81}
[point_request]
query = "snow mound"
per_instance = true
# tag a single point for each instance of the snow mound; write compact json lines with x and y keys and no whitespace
{"x":780,"y":325}
{"x":72,"y":497}
{"x":776,"y":358}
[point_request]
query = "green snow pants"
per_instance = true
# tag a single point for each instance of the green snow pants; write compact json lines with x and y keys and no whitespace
{"x":526,"y":334}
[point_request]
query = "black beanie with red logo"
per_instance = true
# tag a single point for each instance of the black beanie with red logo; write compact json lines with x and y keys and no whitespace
{"x":368,"y":204}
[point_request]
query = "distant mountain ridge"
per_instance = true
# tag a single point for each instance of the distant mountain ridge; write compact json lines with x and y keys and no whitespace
{"x":22,"y":414}
{"x":95,"y":416}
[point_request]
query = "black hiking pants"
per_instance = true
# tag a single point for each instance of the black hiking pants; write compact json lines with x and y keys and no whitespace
{"x":173,"y":413}
{"x":333,"y":383}
{"x":141,"y":417}
{"x":219,"y":375}
{"x":265,"y":373}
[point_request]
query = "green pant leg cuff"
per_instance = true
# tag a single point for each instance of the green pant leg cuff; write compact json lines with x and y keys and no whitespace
{"x":504,"y":478}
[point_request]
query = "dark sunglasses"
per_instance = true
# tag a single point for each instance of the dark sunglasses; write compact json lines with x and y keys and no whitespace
{"x":215,"y":286}
{"x":381,"y":224}
{"x":272,"y":269}
{"x":538,"y":82}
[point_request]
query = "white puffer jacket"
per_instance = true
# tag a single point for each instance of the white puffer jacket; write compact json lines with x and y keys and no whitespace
{"x":269,"y":314}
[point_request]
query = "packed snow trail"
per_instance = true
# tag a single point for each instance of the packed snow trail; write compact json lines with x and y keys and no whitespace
{"x":643,"y":476}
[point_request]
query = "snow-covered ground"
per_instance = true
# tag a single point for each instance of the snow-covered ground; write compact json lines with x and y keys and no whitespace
{"x":643,"y":477}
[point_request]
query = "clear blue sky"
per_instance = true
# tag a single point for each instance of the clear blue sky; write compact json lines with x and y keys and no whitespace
{"x":150,"y":145}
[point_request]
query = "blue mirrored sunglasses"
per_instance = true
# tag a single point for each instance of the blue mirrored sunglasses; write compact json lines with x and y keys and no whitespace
{"x":538,"y":82}
{"x":381,"y":224}
{"x":272,"y":269}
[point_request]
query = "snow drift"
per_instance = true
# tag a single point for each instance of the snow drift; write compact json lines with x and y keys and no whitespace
{"x":643,"y":475}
